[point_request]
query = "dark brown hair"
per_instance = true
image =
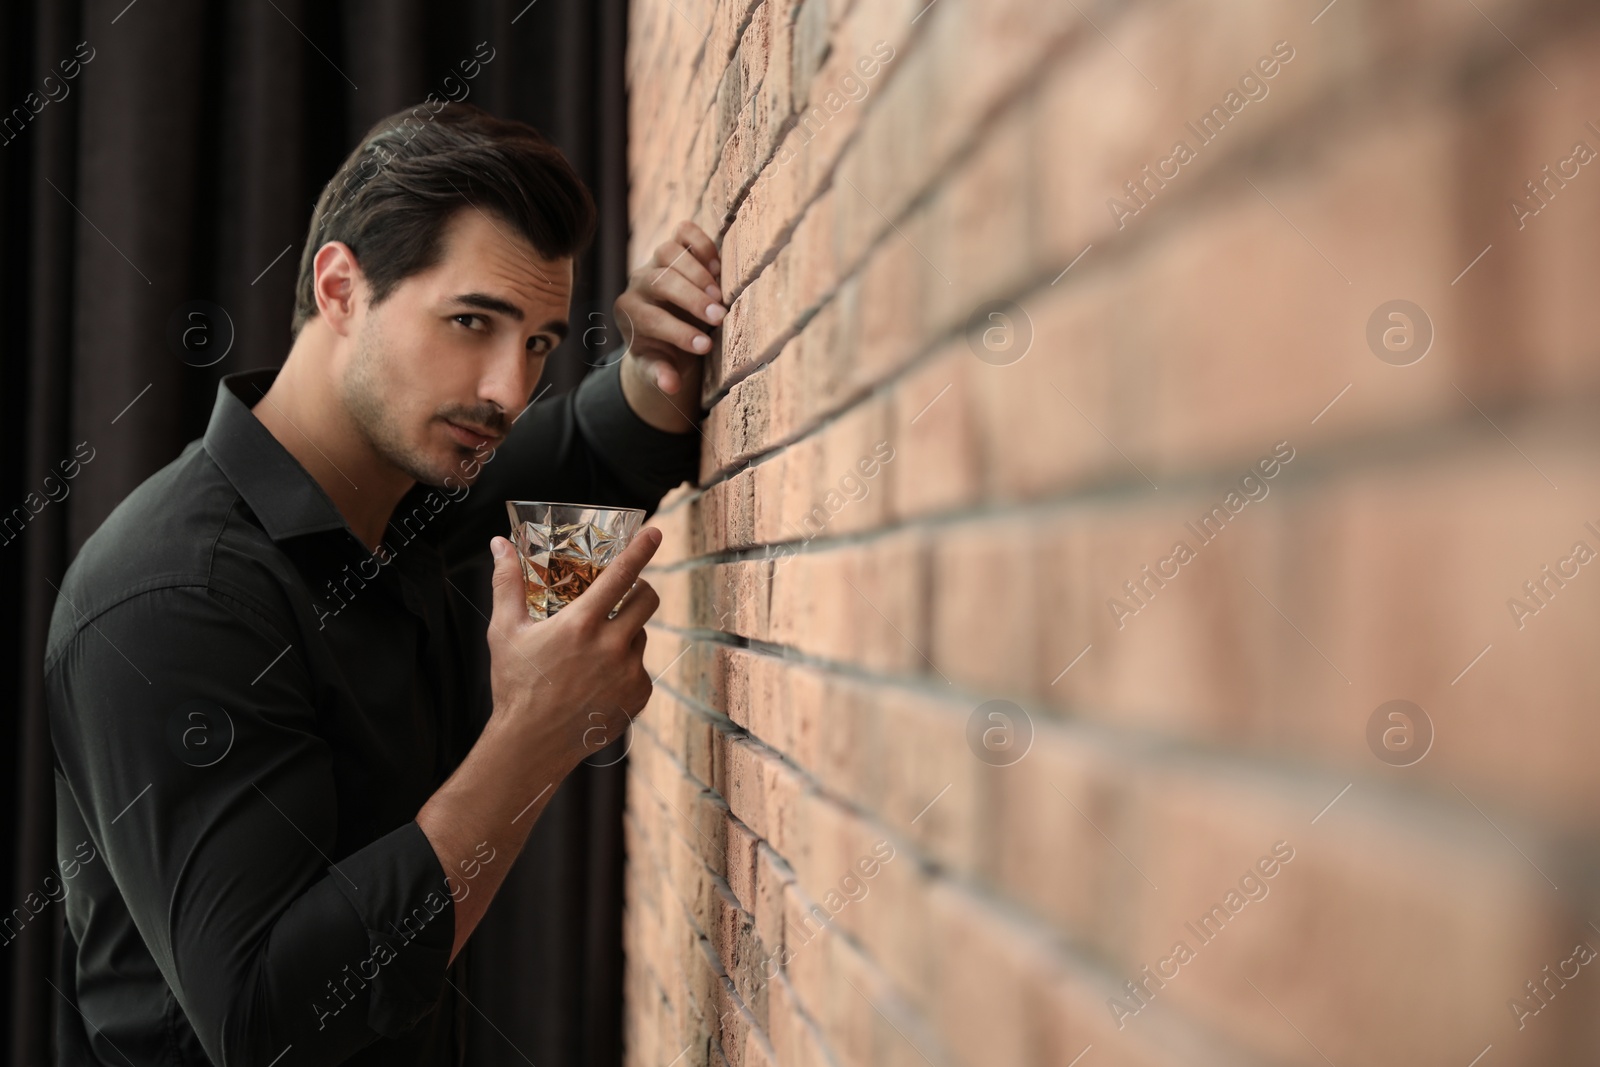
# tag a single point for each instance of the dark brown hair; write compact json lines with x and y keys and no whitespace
{"x":392,"y":196}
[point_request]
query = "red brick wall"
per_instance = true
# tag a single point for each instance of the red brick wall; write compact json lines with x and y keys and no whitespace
{"x":840,"y":852}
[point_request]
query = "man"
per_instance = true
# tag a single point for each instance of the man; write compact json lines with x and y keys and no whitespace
{"x":282,"y":821}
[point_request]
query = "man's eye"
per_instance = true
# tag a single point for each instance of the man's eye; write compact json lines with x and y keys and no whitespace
{"x":539,"y":345}
{"x":470,"y":319}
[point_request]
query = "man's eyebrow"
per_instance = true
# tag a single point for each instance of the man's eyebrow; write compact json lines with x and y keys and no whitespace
{"x":490,"y":303}
{"x":510,"y":310}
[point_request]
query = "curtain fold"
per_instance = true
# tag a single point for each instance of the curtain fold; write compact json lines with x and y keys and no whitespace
{"x":180,"y":164}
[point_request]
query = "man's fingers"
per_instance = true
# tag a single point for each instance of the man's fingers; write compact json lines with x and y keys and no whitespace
{"x":665,"y":363}
{"x":640,"y":603}
{"x":676,"y":256}
{"x":510,"y":591}
{"x":664,"y":373}
{"x":704,"y":248}
{"x":602,"y":596}
{"x":651,"y":322}
{"x":674,"y":287}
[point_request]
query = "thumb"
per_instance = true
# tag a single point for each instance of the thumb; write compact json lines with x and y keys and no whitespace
{"x":510,"y":592}
{"x":663,"y":373}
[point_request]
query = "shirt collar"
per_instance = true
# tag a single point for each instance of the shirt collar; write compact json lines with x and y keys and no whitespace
{"x":284,"y":496}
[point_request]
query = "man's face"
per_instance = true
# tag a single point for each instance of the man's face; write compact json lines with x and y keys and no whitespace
{"x":445,"y":364}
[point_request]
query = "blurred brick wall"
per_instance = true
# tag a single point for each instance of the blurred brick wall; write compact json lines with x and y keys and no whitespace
{"x":840,"y":850}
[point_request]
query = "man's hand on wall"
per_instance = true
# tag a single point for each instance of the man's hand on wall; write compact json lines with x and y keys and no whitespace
{"x":666,"y":315}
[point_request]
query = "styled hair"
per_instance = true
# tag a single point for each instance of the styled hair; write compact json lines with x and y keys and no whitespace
{"x":394,"y":194}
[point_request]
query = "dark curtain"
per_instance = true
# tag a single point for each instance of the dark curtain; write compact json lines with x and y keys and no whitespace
{"x":180,"y":164}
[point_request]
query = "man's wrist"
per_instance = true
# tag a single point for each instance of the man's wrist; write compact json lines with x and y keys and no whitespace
{"x":514,"y":731}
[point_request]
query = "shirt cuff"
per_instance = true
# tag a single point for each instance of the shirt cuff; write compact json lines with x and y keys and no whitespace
{"x":398,"y":888}
{"x":649,"y":460}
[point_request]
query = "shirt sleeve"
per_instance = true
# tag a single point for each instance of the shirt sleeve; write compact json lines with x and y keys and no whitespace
{"x":583,"y":447}
{"x":186,"y":728}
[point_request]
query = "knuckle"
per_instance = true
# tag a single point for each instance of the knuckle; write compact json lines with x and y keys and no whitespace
{"x":584,"y":626}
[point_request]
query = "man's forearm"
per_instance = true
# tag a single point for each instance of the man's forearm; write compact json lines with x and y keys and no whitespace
{"x":492,"y":800}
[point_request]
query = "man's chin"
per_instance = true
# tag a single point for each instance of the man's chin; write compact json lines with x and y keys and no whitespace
{"x":431,"y":467}
{"x":446,"y":463}
{"x":454,"y":466}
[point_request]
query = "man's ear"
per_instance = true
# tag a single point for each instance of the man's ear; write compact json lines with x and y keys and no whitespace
{"x":336,"y":278}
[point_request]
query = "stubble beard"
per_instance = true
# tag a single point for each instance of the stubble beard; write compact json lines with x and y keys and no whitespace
{"x":372,"y":413}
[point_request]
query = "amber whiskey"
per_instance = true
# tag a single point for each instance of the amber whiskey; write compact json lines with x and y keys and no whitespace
{"x":556,"y":582}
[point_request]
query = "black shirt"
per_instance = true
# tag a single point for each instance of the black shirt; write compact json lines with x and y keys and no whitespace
{"x":248,"y":709}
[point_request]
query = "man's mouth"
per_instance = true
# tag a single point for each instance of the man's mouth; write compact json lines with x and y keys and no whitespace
{"x":472,"y":437}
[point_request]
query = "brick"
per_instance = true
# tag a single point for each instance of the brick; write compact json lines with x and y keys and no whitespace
{"x":1071,"y":793}
{"x":1465,"y":565}
{"x":795,"y":1040}
{"x":741,"y":864}
{"x":936,"y":463}
{"x":875,"y":627}
{"x":984,"y":974}
{"x":981,"y":246}
{"x":1549,"y":320}
{"x":1381,"y":893}
{"x":891,"y":315}
{"x":773,"y":876}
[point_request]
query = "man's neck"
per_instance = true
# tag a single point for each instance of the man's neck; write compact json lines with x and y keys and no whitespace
{"x":303,"y":411}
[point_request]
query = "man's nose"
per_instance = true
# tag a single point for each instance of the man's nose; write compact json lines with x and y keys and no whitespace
{"x":509,"y":380}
